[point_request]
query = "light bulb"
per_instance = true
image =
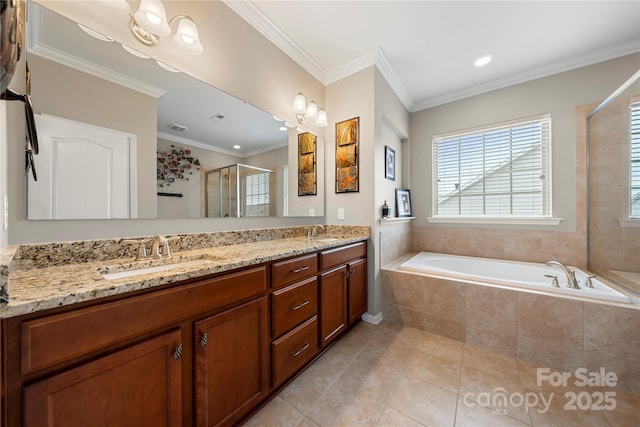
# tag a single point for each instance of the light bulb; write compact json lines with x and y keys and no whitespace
{"x":187,"y":37}
{"x":152,"y":17}
{"x":312,"y":109}
{"x":321,"y":120}
{"x":299,"y":104}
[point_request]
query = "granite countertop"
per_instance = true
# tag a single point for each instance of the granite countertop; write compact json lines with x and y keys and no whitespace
{"x":44,"y":287}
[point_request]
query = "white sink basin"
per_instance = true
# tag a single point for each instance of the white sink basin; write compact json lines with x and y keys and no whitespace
{"x":147,"y":270}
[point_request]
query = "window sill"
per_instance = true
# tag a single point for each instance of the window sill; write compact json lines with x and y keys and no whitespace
{"x":629,"y":222}
{"x":494,"y":220}
{"x":396,"y":220}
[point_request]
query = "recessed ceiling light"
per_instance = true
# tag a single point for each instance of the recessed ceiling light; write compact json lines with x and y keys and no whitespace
{"x":283,"y":128}
{"x":483,"y":60}
{"x":237,"y":147}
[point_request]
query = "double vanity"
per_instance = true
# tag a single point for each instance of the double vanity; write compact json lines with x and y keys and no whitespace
{"x":91,"y":336}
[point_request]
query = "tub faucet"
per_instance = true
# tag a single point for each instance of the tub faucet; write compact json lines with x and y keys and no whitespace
{"x":572,"y":282}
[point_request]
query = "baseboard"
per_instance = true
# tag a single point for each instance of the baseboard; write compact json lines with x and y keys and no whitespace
{"x":372,"y":319}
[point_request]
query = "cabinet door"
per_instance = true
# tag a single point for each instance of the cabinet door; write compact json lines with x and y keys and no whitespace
{"x":231,"y":363}
{"x":357,"y":287}
{"x":333,"y":304}
{"x":140,"y":385}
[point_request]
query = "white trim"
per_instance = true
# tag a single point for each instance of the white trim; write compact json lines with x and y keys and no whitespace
{"x":394,"y":221}
{"x":529,"y":75}
{"x":133,"y":176}
{"x":369,"y":318}
{"x":204,"y":146}
{"x":37,"y":47}
{"x":258,"y":20}
{"x":629,"y":222}
{"x":494,"y":220}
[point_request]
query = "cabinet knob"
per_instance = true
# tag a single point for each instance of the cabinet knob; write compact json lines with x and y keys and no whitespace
{"x":299,"y":306}
{"x":178,"y":353}
{"x":297,"y":353}
{"x":204,"y":340}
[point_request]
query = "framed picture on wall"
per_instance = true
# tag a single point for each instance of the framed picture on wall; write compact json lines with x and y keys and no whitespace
{"x":403,"y":202}
{"x":347,"y":140}
{"x":389,"y":163}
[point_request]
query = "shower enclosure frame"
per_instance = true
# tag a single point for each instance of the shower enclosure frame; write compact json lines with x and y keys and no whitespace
{"x":601,"y":106}
{"x":237,"y":166}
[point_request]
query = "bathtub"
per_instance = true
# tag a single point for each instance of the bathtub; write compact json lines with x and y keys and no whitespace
{"x":512,"y":274}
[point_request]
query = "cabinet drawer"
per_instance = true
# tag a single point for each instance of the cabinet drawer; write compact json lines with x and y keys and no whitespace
{"x":334,"y":257}
{"x":292,"y":305}
{"x":294,"y":350}
{"x":293,"y":270}
{"x":61,"y":337}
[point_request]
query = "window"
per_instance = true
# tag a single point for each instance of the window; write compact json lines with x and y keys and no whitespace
{"x":499,"y":171}
{"x":257,"y":199}
{"x":634,"y":160}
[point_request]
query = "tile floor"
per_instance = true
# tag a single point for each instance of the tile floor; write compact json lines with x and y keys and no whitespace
{"x":390,"y":375}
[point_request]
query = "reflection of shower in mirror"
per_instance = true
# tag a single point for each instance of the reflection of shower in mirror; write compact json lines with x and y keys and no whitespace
{"x":239,"y":191}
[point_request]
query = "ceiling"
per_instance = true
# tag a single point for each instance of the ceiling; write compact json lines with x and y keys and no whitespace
{"x":426,"y":49}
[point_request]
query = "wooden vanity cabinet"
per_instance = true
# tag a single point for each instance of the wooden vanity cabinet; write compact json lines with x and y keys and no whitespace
{"x":231,"y":363}
{"x":343,"y":289}
{"x":138,"y":360}
{"x":294,"y":320}
{"x":139,"y":385}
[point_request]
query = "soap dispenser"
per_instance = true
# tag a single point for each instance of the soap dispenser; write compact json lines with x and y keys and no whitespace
{"x":385,"y":210}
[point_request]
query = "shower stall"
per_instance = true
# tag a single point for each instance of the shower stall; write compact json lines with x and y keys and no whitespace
{"x":613,"y":169}
{"x":239,"y":191}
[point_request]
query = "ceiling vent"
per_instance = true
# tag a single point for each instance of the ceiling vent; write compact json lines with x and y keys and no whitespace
{"x":177,"y":127}
{"x":217,"y":117}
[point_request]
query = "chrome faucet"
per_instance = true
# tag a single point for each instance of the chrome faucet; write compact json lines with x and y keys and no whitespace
{"x":572,"y":282}
{"x":313,"y":232}
{"x":160,"y":247}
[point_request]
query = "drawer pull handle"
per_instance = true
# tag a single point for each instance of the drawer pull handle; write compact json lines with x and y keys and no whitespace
{"x":178,"y":354}
{"x":204,"y":340}
{"x":297,"y":353}
{"x":299,"y":306}
{"x":301,"y":269}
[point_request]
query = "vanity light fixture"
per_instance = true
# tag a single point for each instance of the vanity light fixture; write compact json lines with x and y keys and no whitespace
{"x":150,"y":23}
{"x":310,"y":110}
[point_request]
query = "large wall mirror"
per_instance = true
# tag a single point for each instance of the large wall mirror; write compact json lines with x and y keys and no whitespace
{"x":124,"y":136}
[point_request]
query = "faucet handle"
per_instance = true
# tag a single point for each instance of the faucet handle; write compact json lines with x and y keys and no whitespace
{"x":141,"y":253}
{"x":589,"y":283}
{"x":554,"y":282}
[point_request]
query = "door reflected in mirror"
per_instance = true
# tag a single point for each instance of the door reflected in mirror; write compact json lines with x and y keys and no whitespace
{"x":97,"y":83}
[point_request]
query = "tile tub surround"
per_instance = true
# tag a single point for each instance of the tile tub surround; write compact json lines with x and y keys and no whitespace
{"x":552,"y":331}
{"x":52,"y":275}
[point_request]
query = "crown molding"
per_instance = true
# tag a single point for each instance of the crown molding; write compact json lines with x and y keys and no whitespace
{"x":529,"y":75}
{"x":205,"y":146}
{"x":37,"y":47}
{"x":258,"y":20}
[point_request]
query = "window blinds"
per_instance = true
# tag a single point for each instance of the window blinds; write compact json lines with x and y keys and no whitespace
{"x":634,"y":160}
{"x":500,"y":171}
{"x":257,"y":194}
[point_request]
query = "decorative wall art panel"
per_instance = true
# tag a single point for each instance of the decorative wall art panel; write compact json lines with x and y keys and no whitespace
{"x":307,"y":168}
{"x":347,"y":142}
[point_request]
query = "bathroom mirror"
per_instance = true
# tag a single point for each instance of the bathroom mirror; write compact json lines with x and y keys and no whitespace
{"x":164,"y":118}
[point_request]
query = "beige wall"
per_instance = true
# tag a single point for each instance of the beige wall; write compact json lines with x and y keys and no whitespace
{"x":558,"y":95}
